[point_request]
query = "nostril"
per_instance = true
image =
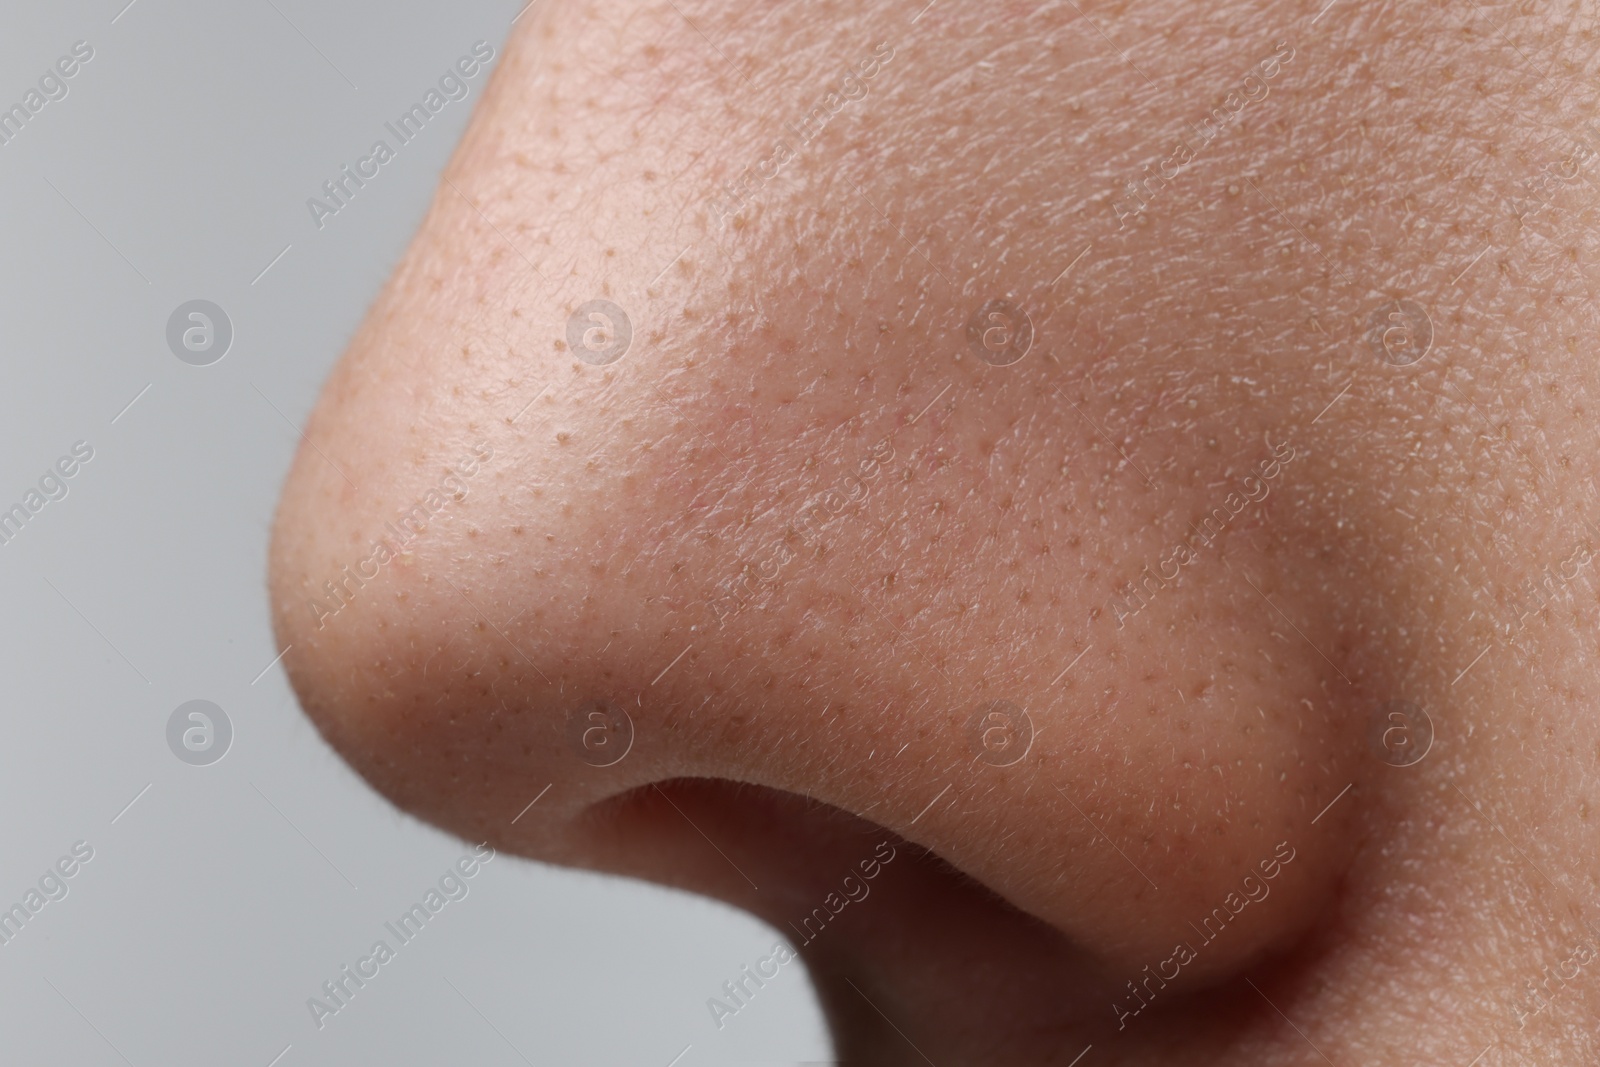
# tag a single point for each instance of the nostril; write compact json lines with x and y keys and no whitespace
{"x":789,"y":857}
{"x":858,"y":901}
{"x":844,"y":890}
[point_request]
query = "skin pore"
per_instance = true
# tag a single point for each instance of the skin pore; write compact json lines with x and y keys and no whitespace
{"x":1209,"y":382}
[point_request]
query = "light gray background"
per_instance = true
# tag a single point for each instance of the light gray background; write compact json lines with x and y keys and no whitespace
{"x":177,"y":168}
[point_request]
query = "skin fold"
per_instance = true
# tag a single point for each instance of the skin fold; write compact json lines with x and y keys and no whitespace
{"x":1209,"y":382}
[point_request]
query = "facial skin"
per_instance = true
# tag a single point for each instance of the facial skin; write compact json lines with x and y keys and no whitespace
{"x":805,"y":537}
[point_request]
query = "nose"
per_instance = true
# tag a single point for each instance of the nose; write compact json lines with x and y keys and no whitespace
{"x":752,"y":625}
{"x":739,"y":563}
{"x":598,"y":595}
{"x":801,"y":656}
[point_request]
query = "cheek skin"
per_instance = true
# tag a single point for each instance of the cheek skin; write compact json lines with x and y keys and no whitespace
{"x":801,"y":533}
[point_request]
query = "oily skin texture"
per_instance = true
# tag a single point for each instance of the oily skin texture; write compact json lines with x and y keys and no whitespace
{"x":635,"y":534}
